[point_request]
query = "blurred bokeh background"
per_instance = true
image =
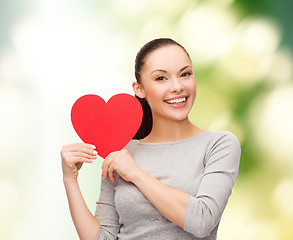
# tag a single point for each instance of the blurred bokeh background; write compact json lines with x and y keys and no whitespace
{"x":52,"y":52}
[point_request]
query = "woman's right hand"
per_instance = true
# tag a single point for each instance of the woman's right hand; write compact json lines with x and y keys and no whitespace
{"x":73,"y":156}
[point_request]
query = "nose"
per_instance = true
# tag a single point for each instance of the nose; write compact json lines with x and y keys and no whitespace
{"x":176,"y":85}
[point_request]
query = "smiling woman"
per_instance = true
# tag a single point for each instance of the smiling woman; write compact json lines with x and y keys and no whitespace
{"x":166,"y":75}
{"x":173,"y":180}
{"x":169,"y":87}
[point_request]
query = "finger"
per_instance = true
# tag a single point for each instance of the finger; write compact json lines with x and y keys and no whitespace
{"x":105,"y":172}
{"x":86,"y":155}
{"x":73,"y":155}
{"x":79,"y":145}
{"x":86,"y":150}
{"x":111,"y":174}
{"x":108,"y":159}
{"x":82,"y":147}
{"x":90,"y":145}
{"x":105,"y":167}
{"x":75,"y":160}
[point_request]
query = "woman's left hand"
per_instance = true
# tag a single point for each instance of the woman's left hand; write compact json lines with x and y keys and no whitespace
{"x":121,"y":162}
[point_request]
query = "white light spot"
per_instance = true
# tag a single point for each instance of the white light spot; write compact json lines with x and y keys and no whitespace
{"x":272,"y":120}
{"x":203,"y":29}
{"x":283,"y":197}
{"x":247,"y":54}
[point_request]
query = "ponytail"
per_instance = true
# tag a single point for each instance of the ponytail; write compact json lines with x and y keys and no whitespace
{"x":147,"y":120}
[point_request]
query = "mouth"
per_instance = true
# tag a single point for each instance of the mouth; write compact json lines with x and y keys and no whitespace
{"x":175,"y":101}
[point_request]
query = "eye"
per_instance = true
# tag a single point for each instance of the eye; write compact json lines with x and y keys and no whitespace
{"x":161,"y":78}
{"x":185,"y":74}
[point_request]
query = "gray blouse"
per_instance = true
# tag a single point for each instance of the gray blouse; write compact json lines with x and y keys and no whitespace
{"x":204,"y":166}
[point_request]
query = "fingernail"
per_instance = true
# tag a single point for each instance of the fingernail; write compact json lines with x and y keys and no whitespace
{"x":95,"y":152}
{"x":93,"y":146}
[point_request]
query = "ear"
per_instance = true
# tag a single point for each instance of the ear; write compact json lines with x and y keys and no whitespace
{"x":138,"y":90}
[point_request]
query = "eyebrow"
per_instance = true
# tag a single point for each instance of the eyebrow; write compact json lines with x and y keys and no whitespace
{"x":161,"y":70}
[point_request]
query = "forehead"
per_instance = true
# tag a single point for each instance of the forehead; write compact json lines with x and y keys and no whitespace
{"x":167,"y":57}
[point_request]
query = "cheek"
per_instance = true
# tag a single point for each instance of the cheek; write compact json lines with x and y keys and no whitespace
{"x":192,"y":87}
{"x":154,"y":97}
{"x":153,"y":93}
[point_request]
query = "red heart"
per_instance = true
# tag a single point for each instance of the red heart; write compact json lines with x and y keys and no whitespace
{"x":109,"y":126}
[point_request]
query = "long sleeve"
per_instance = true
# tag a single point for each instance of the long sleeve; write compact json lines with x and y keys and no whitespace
{"x":106,"y":211}
{"x":221,"y":164}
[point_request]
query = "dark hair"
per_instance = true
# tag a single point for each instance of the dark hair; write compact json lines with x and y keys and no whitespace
{"x":147,"y":121}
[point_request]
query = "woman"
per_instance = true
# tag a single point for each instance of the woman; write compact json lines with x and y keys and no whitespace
{"x":173,"y":180}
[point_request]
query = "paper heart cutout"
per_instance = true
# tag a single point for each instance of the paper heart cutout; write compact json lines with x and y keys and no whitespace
{"x":109,"y":126}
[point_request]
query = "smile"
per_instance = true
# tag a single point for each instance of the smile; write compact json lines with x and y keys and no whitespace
{"x":177,"y":100}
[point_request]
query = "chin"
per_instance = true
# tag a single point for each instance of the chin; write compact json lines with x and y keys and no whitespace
{"x":179,"y":118}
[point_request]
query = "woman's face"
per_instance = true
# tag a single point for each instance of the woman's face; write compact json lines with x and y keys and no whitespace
{"x":168,"y":83}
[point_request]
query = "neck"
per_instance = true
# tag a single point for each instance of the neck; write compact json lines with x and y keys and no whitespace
{"x":170,"y":130}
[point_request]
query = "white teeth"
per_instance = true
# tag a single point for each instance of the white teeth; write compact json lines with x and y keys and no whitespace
{"x":178,"y":100}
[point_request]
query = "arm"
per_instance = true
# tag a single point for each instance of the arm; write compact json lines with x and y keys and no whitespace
{"x":197,"y":214}
{"x":87,"y":226}
{"x":106,"y":211}
{"x":204,"y":210}
{"x":169,"y":201}
{"x":73,"y":156}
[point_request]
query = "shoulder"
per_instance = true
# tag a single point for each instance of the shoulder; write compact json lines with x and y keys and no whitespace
{"x":222,"y":137}
{"x":131,"y":145}
{"x":223,"y":143}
